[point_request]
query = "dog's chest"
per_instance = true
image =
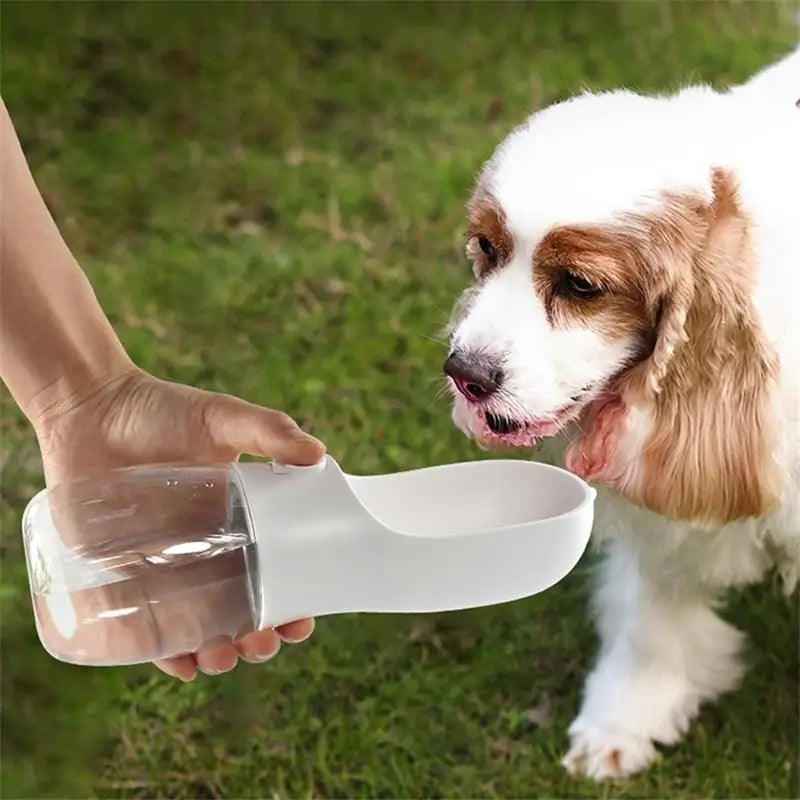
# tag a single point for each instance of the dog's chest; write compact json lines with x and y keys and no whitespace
{"x":680,"y":554}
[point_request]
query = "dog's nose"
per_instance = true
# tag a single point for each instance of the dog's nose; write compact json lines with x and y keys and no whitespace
{"x":474,"y":377}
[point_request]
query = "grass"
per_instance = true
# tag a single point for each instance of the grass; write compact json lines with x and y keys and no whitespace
{"x":268,"y":199}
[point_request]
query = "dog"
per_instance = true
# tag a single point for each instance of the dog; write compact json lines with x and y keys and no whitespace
{"x":637,"y":294}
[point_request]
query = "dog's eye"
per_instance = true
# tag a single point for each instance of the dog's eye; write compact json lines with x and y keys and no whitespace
{"x":487,"y":248}
{"x":576,"y":286}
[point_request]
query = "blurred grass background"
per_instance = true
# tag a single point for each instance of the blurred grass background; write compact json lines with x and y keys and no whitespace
{"x":268,"y":199}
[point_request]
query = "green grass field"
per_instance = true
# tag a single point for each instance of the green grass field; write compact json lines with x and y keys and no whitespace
{"x":268,"y":199}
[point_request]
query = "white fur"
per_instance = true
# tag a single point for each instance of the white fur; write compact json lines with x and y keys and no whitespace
{"x":664,"y":650}
{"x":520,"y":332}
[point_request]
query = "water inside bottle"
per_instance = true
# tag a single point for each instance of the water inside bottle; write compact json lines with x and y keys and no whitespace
{"x":142,"y":566}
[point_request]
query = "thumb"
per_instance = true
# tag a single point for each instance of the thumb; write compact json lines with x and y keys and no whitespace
{"x":252,"y":429}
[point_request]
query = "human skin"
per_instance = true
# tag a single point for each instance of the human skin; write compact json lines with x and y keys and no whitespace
{"x":94,"y":410}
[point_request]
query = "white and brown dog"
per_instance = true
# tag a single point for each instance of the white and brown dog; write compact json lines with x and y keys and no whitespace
{"x":638,"y":284}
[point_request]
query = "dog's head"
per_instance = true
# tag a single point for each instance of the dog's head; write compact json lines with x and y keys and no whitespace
{"x":614,"y":275}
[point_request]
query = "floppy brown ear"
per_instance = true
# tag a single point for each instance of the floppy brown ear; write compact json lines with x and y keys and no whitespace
{"x":708,"y":384}
{"x":667,"y":246}
{"x":670,"y":333}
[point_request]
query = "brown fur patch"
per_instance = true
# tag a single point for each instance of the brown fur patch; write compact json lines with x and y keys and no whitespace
{"x":608,"y":261}
{"x":486,"y":219}
{"x":711,"y":376}
{"x":682,"y":281}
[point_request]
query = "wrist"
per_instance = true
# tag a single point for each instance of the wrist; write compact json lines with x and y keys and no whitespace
{"x":58,"y":347}
{"x":79,"y":379}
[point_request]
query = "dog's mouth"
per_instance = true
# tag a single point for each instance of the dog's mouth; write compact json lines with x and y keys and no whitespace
{"x":495,"y":429}
{"x":500,"y":425}
{"x":492,"y":424}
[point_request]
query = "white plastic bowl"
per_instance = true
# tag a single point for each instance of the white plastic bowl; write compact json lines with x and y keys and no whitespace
{"x":436,"y":539}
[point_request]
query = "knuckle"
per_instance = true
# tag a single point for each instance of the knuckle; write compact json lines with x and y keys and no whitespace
{"x":282,"y":421}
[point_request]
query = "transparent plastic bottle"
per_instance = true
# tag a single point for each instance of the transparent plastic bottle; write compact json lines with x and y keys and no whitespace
{"x":149,"y":562}
{"x":141,"y":564}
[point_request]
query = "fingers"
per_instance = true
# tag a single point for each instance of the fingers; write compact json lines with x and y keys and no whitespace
{"x":183,"y":668}
{"x":222,"y":656}
{"x":214,"y":659}
{"x":247,"y":428}
{"x":259,"y":646}
{"x":296,"y":632}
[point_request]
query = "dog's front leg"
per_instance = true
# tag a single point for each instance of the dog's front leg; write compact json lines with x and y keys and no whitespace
{"x":663,"y":652}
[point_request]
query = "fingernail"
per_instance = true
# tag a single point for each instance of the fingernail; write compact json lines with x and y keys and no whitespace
{"x":294,"y":640}
{"x":297,"y":640}
{"x":178,"y":674}
{"x":260,"y":658}
{"x":267,"y":656}
{"x":311,"y":440}
{"x":182,"y":678}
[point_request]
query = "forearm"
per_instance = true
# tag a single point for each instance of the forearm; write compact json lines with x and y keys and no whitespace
{"x":56,"y":343}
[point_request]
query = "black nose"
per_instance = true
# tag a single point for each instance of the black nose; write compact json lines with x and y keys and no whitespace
{"x":475,"y":377}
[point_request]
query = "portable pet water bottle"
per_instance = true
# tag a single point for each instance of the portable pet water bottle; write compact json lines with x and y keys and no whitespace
{"x":149,"y":562}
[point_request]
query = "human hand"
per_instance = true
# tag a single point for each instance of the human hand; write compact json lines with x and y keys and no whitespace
{"x":138,"y":419}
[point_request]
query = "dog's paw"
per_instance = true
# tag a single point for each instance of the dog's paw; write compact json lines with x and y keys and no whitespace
{"x":604,"y":754}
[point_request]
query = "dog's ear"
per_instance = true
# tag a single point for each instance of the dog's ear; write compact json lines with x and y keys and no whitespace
{"x":707,"y":387}
{"x":671,"y":312}
{"x":667,"y":246}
